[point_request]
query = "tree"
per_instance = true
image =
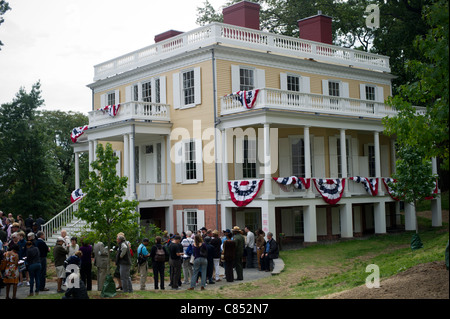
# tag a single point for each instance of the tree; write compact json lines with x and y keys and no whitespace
{"x":427,"y":131}
{"x":4,"y":6}
{"x":28,"y":179}
{"x":58,"y":126}
{"x":104,"y":207}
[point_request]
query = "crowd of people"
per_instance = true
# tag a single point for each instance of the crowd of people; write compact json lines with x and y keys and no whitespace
{"x":197,"y":256}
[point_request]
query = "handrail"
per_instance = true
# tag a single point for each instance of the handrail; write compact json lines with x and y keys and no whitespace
{"x":60,"y":220}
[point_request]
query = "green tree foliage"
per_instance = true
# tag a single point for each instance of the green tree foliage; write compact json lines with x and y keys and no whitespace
{"x":428,"y":131}
{"x":104,"y":207}
{"x":4,"y":6}
{"x":58,"y":126}
{"x":28,"y":179}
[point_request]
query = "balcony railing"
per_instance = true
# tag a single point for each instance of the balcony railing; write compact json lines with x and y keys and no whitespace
{"x":308,"y":102}
{"x":152,"y":191}
{"x":141,"y":111}
{"x":242,"y":37}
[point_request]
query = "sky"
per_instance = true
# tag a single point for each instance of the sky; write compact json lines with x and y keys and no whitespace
{"x":58,"y":42}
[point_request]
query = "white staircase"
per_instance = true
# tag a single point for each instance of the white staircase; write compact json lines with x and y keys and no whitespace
{"x":64,"y":220}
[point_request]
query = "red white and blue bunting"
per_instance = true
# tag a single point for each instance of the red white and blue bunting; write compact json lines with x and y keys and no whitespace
{"x":330,"y":189}
{"x":77,"y":132}
{"x":243,"y":192}
{"x":297,"y":182}
{"x":247,"y":98}
{"x":76,"y":195}
{"x":391,"y":193}
{"x":435,"y":191}
{"x":112,"y":110}
{"x":370,"y":184}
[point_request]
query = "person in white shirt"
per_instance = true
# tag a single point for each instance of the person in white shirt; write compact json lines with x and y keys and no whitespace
{"x":249,"y":247}
{"x":186,"y":265}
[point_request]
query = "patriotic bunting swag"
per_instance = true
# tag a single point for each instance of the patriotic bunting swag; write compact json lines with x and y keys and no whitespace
{"x":243,"y":192}
{"x":330,"y":189}
{"x":435,"y":191}
{"x":112,"y":110}
{"x":386,"y":182}
{"x":76,"y":195}
{"x":247,"y":98}
{"x":77,"y":132}
{"x":370,"y":184}
{"x":297,"y":182}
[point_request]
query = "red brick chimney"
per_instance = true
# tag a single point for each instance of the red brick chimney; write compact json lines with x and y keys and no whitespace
{"x":316,"y":28}
{"x":166,"y":35}
{"x":242,"y":14}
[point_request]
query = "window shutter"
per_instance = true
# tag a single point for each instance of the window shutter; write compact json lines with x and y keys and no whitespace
{"x":379,"y":95}
{"x":260,"y":78}
{"x":129,"y":93}
{"x":197,"y":86}
{"x":283,"y":81}
{"x":238,"y":157}
{"x":102,"y":100}
{"x":305,"y":86}
{"x":235,"y":79}
{"x":325,"y":90}
{"x":355,"y":161}
{"x":284,"y":157}
{"x":345,"y":90}
{"x":362,"y":91}
{"x":199,"y":160}
{"x":178,"y":147}
{"x":162,"y":89}
{"x":319,"y":157}
{"x":200,"y":218}
{"x":384,"y":160}
{"x":332,"y":146}
{"x":176,"y":91}
{"x":180,"y":223}
{"x":117,"y":97}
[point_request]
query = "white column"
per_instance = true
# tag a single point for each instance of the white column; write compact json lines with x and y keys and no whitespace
{"x":91,"y":154}
{"x":410,"y":217}
{"x":310,"y":224}
{"x":77,"y":171}
{"x":307,"y":143}
{"x":379,"y":214}
{"x":169,"y":168}
{"x":132,"y":172}
{"x":345,"y":211}
{"x":343,"y":155}
{"x":376,"y":143}
{"x":224,"y":164}
{"x":126,"y":163}
{"x":267,"y":166}
{"x":436,"y":207}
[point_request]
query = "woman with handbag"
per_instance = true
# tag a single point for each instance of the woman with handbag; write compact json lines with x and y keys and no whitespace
{"x":11,"y":274}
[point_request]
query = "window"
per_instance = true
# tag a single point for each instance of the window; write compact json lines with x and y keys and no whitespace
{"x":370,"y":96}
{"x":188,"y":87}
{"x":371,"y":155}
{"x":157,"y":90}
{"x":298,"y":157}
{"x":190,"y":161}
{"x":191,"y":220}
{"x":135,"y":92}
{"x":298,"y":222}
{"x":111,"y":98}
{"x":249,"y":165}
{"x":293,"y":83}
{"x":158,"y":163}
{"x":333,"y":90}
{"x":147,"y":92}
{"x":246,"y":79}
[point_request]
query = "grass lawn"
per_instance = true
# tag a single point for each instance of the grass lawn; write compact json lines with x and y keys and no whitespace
{"x":323,"y":269}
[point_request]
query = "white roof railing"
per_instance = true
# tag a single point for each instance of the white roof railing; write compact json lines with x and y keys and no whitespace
{"x":242,"y":37}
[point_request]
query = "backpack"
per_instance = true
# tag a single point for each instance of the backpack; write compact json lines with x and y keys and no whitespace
{"x":160,"y":255}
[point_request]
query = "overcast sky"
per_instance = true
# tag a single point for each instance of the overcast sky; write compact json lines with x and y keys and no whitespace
{"x":59,"y":41}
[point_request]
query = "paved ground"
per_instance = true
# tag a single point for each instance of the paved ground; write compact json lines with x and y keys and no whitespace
{"x":249,"y":275}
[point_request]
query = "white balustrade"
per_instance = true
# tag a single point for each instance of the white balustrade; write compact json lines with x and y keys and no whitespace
{"x":243,"y":37}
{"x":132,"y":110}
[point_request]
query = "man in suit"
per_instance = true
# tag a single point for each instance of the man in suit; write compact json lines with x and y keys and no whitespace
{"x":240,"y":244}
{"x":101,"y":262}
